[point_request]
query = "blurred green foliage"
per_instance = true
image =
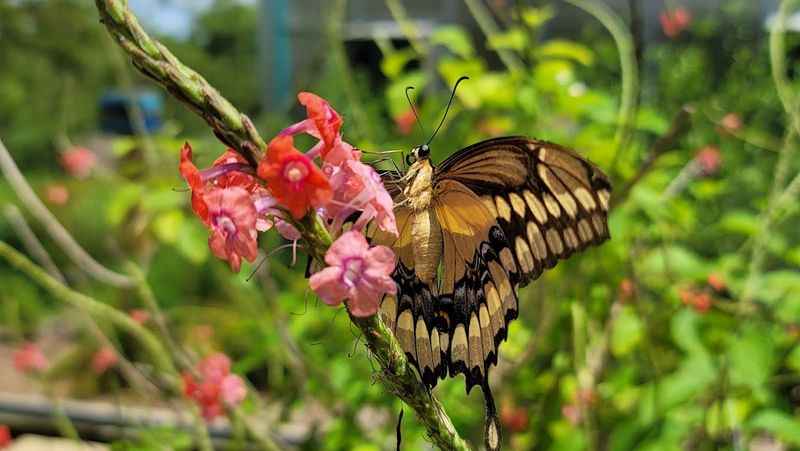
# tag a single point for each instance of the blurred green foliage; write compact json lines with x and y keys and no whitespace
{"x":605,"y":355}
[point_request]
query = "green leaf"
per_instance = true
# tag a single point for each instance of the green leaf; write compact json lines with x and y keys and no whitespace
{"x":395,"y":91}
{"x":393,"y":63}
{"x":559,"y":48}
{"x":740,"y":222}
{"x":512,"y":39}
{"x":167,"y":226}
{"x":193,"y":242}
{"x":536,"y":17}
{"x":122,"y":201}
{"x":752,"y":357}
{"x":784,"y":426}
{"x":455,"y":39}
{"x":627,"y":332}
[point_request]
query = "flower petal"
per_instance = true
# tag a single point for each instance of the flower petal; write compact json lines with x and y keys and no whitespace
{"x":328,"y":285}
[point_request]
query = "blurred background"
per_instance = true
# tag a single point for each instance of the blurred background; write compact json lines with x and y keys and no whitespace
{"x":682,"y":332}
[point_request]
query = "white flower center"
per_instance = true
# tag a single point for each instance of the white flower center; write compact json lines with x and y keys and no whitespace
{"x":352,"y":271}
{"x":295,"y":171}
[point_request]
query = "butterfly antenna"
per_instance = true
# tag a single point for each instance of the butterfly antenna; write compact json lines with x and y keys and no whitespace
{"x":447,"y":110}
{"x":414,"y":109}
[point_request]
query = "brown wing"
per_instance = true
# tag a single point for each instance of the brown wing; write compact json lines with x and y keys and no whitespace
{"x":508,"y":209}
{"x":549,"y":201}
{"x":544,"y":202}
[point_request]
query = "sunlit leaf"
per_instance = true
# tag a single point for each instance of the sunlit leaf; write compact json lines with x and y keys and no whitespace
{"x":559,"y":48}
{"x":784,"y":426}
{"x":511,"y":39}
{"x":455,"y":39}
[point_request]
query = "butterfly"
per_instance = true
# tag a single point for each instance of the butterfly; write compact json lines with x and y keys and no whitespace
{"x":488,"y":220}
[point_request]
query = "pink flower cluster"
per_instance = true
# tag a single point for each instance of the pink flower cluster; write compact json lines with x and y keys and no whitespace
{"x":236,"y":201}
{"x":5,"y":436}
{"x":29,"y":359}
{"x":675,"y":21}
{"x":213,"y":387}
{"x":78,"y":161}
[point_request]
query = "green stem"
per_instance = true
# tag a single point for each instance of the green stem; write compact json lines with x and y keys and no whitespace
{"x":154,"y":60}
{"x":409,"y":29}
{"x":782,"y":85}
{"x":489,"y":28}
{"x":153,"y":347}
{"x":627,"y":58}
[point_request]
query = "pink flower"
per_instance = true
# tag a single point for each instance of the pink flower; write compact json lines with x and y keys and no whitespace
{"x":357,"y":187}
{"x":232,"y":221}
{"x":356,"y":273}
{"x":673,"y":22}
{"x":731,"y":122}
{"x":104,"y":359}
{"x":29,"y":358}
{"x":700,"y":301}
{"x":141,"y":316}
{"x":708,"y":160}
{"x":5,"y":436}
{"x":78,"y":161}
{"x":294,"y":179}
{"x":56,"y":194}
{"x":214,"y":387}
{"x":323,"y":121}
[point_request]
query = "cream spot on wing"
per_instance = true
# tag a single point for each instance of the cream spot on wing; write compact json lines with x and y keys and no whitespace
{"x":585,"y":198}
{"x":459,"y":345}
{"x":599,"y":225}
{"x":531,"y":146}
{"x":436,"y":349}
{"x":507,"y":259}
{"x":571,"y":238}
{"x":536,"y":240}
{"x":542,"y":153}
{"x":423,"y":346}
{"x":554,"y":242}
{"x":389,"y":311}
{"x":536,"y":206}
{"x":405,"y":332}
{"x":493,"y":301}
{"x":503,"y":209}
{"x":475,"y":344}
{"x":524,"y":255}
{"x":604,"y":197}
{"x":585,"y":231}
{"x":487,"y":337}
{"x":518,"y":204}
{"x":551,"y":204}
{"x":560,"y":191}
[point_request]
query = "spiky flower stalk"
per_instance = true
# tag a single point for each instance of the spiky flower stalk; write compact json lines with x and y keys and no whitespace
{"x":237,"y":131}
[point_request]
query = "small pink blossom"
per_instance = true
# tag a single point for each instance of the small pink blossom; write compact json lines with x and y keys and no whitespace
{"x":674,"y":21}
{"x":104,"y":359}
{"x":731,"y":122}
{"x":708,"y":160}
{"x":357,"y":187}
{"x":78,"y":161}
{"x":141,"y":316}
{"x":213,"y":387}
{"x":232,"y":221}
{"x":405,"y":122}
{"x":56,"y":194}
{"x":357,"y":273}
{"x":29,"y":359}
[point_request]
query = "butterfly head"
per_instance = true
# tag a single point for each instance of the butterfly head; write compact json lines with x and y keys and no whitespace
{"x":418,"y":153}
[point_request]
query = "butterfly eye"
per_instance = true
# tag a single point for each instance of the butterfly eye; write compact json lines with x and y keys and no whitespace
{"x":411,"y":159}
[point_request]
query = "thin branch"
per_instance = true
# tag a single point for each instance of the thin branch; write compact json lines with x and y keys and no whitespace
{"x":627,"y":58}
{"x":95,"y":308}
{"x":407,"y":26}
{"x":31,"y":242}
{"x":54,"y":229}
{"x":679,"y":128}
{"x":489,"y":28}
{"x":156,"y":61}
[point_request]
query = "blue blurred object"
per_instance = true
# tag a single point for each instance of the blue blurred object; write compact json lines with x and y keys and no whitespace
{"x":115,"y":108}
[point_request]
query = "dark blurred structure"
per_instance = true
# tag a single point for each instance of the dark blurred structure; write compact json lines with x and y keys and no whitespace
{"x":295,"y":32}
{"x":117,"y":108}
